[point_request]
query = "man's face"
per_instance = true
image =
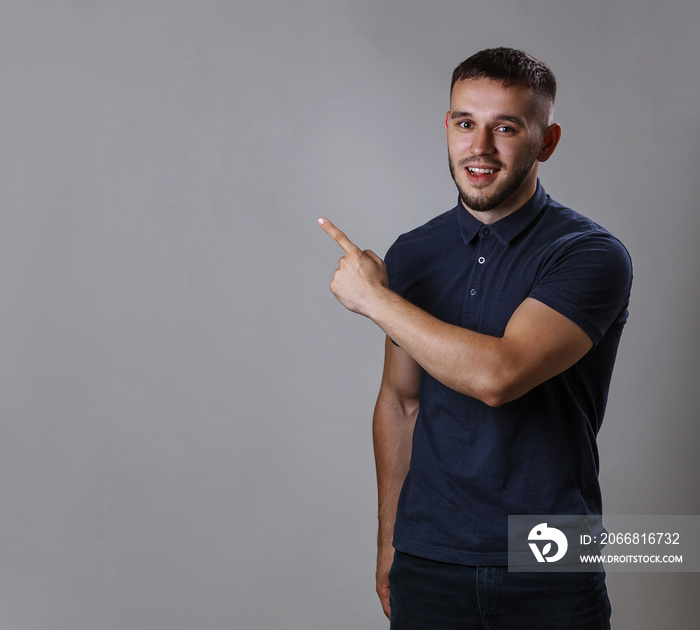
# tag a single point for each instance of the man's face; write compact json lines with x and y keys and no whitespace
{"x":494,"y":137}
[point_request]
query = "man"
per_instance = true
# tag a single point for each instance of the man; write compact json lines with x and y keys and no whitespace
{"x":503,"y":318}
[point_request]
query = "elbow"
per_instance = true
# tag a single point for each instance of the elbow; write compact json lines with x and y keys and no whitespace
{"x":494,"y":397}
{"x":409,"y":408}
{"x":497,"y":388}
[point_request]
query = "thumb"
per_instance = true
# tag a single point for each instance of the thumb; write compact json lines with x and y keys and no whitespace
{"x":373,"y":256}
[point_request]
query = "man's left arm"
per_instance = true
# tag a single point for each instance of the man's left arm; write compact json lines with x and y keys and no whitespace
{"x":538,"y":342}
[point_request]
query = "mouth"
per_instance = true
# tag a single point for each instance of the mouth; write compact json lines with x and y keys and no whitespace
{"x":481,"y":175}
{"x":473,"y":170}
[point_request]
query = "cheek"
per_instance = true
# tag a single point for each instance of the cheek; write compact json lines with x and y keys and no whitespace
{"x":457,"y":145}
{"x":527,"y":150}
{"x":513,"y":154}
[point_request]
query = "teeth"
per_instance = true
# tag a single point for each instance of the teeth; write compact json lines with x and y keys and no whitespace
{"x":481,"y":170}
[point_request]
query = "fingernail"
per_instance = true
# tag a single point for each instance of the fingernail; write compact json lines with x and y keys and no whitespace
{"x":321,"y":221}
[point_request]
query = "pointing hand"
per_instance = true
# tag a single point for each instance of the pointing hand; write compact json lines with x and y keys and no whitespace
{"x":361,"y":275}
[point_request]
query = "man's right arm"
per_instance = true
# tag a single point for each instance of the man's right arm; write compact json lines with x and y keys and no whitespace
{"x":392,"y":429}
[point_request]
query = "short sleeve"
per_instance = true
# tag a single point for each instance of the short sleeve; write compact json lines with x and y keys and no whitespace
{"x":587,"y":278}
{"x":391,"y":260}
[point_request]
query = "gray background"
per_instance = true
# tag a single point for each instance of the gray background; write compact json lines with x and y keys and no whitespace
{"x":185,"y":436}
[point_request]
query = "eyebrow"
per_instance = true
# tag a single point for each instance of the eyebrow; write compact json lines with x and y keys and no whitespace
{"x":500,"y":117}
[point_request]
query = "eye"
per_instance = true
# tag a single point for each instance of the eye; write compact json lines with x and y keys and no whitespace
{"x":464,"y":124}
{"x":505,"y":129}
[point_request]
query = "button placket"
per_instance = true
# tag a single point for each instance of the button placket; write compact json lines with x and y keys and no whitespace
{"x":484,"y":231}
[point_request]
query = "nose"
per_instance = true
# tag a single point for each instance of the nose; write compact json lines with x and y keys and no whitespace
{"x":482,"y":142}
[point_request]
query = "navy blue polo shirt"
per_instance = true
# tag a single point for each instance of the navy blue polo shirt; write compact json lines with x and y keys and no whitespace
{"x":473,"y":465}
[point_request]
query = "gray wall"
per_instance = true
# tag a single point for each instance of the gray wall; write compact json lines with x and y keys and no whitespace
{"x":185,"y":435}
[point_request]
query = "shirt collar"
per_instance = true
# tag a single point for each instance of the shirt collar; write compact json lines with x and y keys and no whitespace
{"x":508,"y":227}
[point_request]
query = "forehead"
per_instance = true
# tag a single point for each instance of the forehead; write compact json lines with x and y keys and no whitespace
{"x":489,"y":98}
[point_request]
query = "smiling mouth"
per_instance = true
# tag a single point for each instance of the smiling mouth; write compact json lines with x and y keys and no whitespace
{"x":481,"y":171}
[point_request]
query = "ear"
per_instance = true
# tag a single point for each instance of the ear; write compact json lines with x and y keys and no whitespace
{"x":447,"y":119}
{"x":551,"y":140}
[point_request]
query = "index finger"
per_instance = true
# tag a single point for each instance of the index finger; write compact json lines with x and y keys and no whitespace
{"x":339,"y":237}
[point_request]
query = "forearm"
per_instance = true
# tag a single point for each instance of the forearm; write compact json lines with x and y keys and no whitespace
{"x":537,"y":344}
{"x":392,"y":430}
{"x":471,"y":363}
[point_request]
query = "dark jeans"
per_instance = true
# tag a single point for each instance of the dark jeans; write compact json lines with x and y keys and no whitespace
{"x":429,"y":595}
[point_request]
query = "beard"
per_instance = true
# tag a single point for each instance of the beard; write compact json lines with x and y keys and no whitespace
{"x":514,"y":179}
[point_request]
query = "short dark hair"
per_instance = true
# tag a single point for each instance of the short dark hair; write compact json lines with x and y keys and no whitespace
{"x":510,"y":67}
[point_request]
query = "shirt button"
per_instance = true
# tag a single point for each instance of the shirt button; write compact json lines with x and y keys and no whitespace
{"x":485,"y":231}
{"x":472,"y":291}
{"x":482,"y":260}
